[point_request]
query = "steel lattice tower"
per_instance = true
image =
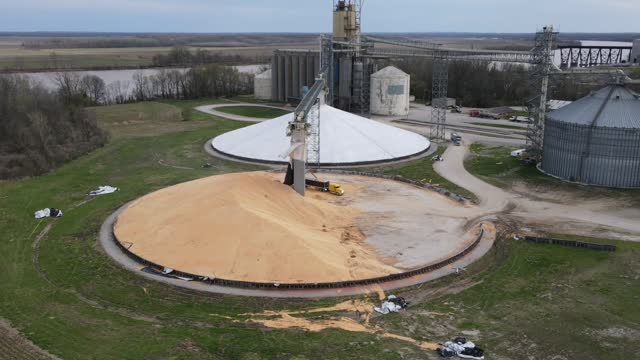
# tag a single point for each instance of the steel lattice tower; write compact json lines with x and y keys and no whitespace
{"x":541,"y":66}
{"x":439,"y":94}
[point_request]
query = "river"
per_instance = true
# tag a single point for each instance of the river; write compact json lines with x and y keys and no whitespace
{"x":124,"y":77}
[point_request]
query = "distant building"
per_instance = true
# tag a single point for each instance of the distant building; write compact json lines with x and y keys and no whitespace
{"x":635,"y":52}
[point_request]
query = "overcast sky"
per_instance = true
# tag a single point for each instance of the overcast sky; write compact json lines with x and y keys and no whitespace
{"x":315,"y":15}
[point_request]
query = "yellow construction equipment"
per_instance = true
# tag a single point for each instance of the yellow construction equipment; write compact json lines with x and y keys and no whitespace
{"x":336,"y":189}
{"x":326,"y":186}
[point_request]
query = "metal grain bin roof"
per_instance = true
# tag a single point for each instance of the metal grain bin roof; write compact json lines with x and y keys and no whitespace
{"x":613,"y":106}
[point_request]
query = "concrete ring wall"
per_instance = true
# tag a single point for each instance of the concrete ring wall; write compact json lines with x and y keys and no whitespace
{"x":117,"y":251}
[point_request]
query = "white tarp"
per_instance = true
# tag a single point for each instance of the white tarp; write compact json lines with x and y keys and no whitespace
{"x":344,"y":138}
{"x":102,"y":190}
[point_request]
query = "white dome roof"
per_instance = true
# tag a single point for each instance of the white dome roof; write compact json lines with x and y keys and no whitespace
{"x":345,"y":138}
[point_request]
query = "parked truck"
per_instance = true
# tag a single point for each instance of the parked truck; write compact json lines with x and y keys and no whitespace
{"x":325,"y":186}
{"x":456,"y":139}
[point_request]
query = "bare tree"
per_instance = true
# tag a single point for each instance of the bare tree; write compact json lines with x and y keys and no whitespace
{"x":117,"y":92}
{"x":142,"y":86}
{"x":68,"y":86}
{"x":94,"y":88}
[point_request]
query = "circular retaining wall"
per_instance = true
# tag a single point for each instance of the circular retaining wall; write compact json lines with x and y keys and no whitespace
{"x":219,"y":285}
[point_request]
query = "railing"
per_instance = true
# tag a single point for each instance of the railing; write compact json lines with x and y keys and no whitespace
{"x":571,"y":243}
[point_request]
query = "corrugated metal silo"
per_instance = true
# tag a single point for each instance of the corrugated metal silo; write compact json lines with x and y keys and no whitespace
{"x":595,"y":140}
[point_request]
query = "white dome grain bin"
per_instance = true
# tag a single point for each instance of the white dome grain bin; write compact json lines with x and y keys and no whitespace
{"x":345,"y":139}
{"x":390,"y":92}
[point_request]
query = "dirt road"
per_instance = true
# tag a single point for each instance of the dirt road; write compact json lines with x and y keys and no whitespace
{"x":577,"y":217}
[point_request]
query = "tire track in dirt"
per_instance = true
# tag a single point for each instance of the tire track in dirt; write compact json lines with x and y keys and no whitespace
{"x":15,"y":346}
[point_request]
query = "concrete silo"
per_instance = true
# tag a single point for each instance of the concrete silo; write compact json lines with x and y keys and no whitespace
{"x":595,"y":140}
{"x":262,"y":85}
{"x":635,"y":52}
{"x":390,"y":92}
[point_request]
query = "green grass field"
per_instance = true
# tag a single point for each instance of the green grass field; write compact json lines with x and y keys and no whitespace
{"x":497,"y":166}
{"x":68,"y":297}
{"x":543,"y":300}
{"x":422,"y":170}
{"x":12,"y":59}
{"x":251,"y":111}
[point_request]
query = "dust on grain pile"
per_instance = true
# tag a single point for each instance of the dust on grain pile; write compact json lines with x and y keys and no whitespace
{"x":249,"y":227}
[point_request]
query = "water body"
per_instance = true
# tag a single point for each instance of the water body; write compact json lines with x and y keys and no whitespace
{"x":124,"y":78}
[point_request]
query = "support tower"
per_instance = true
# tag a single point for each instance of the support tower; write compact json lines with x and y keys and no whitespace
{"x":541,"y":67}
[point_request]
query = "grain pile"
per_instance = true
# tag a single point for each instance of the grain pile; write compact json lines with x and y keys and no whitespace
{"x":249,"y":227}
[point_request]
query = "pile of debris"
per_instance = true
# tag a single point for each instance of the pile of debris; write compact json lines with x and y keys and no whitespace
{"x":48,"y":212}
{"x":393,"y":304}
{"x":462,"y":348}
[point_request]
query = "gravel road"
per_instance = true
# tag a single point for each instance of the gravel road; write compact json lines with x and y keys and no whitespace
{"x":578,"y":216}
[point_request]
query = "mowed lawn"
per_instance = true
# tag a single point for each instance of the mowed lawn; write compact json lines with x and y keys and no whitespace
{"x":495,"y":164}
{"x":252,"y":111}
{"x":68,"y":297}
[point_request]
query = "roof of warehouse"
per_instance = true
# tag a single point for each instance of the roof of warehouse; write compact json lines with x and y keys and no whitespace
{"x":614,"y":106}
{"x":345,"y":138}
{"x":390,"y":71}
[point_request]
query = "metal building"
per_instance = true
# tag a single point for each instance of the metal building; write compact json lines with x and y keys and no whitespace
{"x":635,"y":52}
{"x":291,"y":71}
{"x":346,"y":22}
{"x":595,"y":140}
{"x":262,"y":85}
{"x":390,"y":92}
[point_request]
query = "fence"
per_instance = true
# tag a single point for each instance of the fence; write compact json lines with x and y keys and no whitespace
{"x":571,"y":243}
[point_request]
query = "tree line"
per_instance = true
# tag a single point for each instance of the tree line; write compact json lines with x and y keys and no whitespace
{"x":478,"y":84}
{"x":182,"y":56}
{"x":88,"y":43}
{"x":40,"y":129}
{"x":207,"y":81}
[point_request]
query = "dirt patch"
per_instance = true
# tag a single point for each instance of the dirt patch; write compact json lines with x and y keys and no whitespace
{"x":615,"y":333}
{"x":362,"y":309}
